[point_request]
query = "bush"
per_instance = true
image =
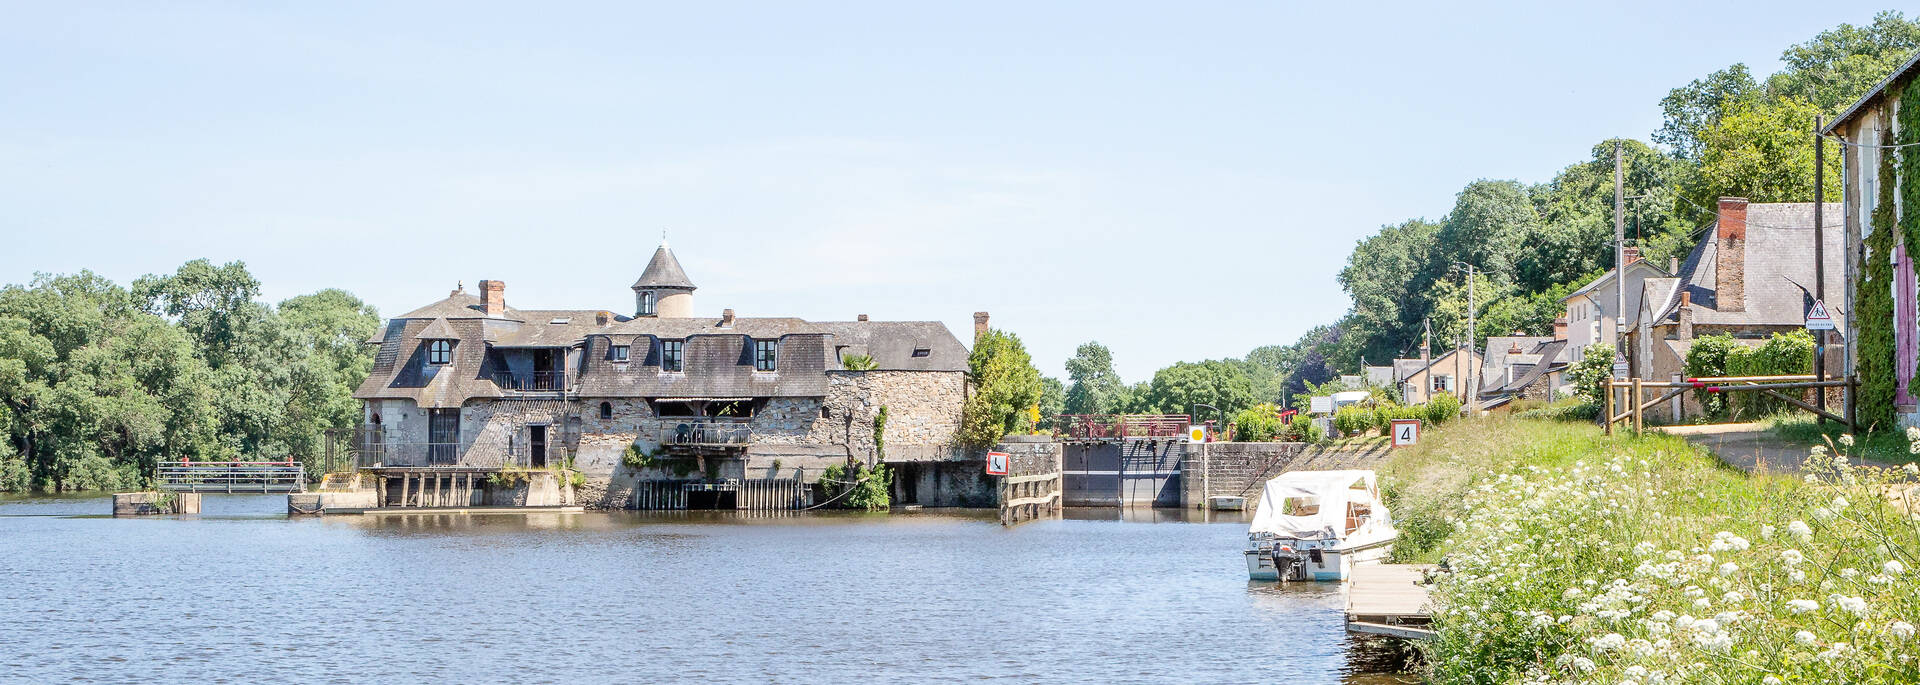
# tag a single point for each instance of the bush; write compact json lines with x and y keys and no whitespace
{"x":871,"y":486}
{"x":14,"y":476}
{"x":1594,"y":367}
{"x":1350,"y":420}
{"x":1258,"y":423}
{"x":1568,"y":410}
{"x":1303,"y":429}
{"x":1441,"y":409}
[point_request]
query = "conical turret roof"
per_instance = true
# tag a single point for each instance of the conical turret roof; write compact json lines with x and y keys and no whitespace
{"x":663,"y":272}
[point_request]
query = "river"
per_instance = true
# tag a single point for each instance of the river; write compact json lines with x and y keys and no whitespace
{"x":242,"y":593}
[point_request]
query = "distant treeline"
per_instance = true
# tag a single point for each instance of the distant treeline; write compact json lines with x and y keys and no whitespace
{"x":100,"y":381}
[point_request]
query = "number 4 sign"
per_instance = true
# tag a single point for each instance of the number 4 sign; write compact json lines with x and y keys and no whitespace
{"x":1406,"y":432}
{"x":996,"y":463}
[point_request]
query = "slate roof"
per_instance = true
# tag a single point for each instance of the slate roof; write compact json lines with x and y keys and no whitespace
{"x":663,"y":272}
{"x":1541,"y":352}
{"x":1541,"y":359}
{"x":1405,"y":368}
{"x":892,"y":345}
{"x":1779,"y":269}
{"x":718,"y":356}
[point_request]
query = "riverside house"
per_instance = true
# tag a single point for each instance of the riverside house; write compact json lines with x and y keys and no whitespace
{"x":663,"y":396}
{"x":1865,"y":131}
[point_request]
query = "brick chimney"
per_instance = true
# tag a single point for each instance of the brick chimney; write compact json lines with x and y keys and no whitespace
{"x":1686,"y":315}
{"x":726,"y":318}
{"x":1515,"y":349}
{"x":979,"y":323}
{"x":493,"y":297}
{"x":863,"y":317}
{"x":1730,"y":275}
{"x":1631,"y":252}
{"x":1560,"y":328}
{"x":604,"y":318}
{"x":1673,"y":266}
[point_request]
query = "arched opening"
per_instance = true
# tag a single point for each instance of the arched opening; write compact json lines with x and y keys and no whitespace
{"x":606,"y":410}
{"x":643,"y":303}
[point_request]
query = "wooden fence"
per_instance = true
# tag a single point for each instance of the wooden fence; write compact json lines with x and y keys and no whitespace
{"x":1636,"y":405}
{"x":1032,"y":487}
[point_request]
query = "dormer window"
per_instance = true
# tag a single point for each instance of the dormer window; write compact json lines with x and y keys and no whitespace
{"x":673,"y":355}
{"x":440,"y":352}
{"x":765,"y":354}
{"x":922,"y":351}
{"x":618,"y":353}
{"x":643,"y":303}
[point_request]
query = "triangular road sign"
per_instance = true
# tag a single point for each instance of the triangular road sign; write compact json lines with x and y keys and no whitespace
{"x":1818,"y":319}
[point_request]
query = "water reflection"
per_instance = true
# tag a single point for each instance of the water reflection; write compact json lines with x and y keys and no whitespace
{"x":247,"y":595}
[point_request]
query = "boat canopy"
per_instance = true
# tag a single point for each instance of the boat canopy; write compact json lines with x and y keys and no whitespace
{"x":1306,"y":504}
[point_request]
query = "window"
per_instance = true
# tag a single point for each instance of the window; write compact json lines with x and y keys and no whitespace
{"x":619,"y":353}
{"x":440,"y":352}
{"x":765,"y":353}
{"x":922,"y":351}
{"x":1442,"y":383}
{"x":606,"y":410}
{"x":643,"y":303}
{"x":672,"y":355}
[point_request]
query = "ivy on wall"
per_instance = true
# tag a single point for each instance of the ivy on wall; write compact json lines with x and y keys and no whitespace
{"x":1874,"y":311}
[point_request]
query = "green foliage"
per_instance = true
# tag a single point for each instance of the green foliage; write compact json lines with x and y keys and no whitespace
{"x":1258,"y":423}
{"x":1708,"y":358}
{"x":1093,"y":386}
{"x":1789,"y":353}
{"x":1053,"y":402}
{"x":1176,"y":389}
{"x":636,"y":459}
{"x":1441,"y":409}
{"x":1569,"y":409}
{"x":98,"y":382}
{"x":870,"y":486}
{"x":859,"y":362}
{"x":1588,"y":375}
{"x":1351,"y":420}
{"x":1873,"y":300}
{"x":1303,"y":429}
{"x":880,"y":434}
{"x":1005,"y":384}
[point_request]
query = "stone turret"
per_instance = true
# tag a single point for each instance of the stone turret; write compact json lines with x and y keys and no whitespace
{"x":663,"y":289}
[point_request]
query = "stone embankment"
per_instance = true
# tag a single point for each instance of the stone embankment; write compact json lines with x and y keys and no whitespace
{"x":1239,"y":469}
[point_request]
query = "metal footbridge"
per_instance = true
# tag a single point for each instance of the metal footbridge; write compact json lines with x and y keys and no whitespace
{"x":230,"y":476}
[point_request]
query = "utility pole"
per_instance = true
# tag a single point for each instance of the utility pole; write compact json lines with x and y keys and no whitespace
{"x":1819,"y":260}
{"x":1619,"y":252}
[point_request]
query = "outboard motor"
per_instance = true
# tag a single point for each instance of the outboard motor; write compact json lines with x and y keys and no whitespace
{"x":1288,"y":564}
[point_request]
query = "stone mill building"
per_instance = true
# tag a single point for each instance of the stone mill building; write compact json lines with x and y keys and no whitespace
{"x":661,"y":407}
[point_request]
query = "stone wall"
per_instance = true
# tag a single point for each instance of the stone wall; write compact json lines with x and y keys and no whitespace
{"x":1239,"y":469}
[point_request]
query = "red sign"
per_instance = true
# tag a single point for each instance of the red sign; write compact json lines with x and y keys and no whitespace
{"x":997,"y":463}
{"x":1406,"y":432}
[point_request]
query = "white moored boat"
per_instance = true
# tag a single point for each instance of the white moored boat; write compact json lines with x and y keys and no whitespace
{"x":1315,"y":525}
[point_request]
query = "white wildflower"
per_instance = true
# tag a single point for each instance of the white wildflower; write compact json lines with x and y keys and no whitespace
{"x":1800,"y":529}
{"x":1770,"y":680}
{"x":1852,"y":605}
{"x":1729,"y":568}
{"x":1766,"y":532}
{"x":1805,"y":638}
{"x":1609,"y":642}
{"x":1840,"y":502}
{"x":1912,"y":469}
{"x":1846,"y":440}
{"x":1893,"y":567}
{"x":1801,"y":606}
{"x":1792,"y":557}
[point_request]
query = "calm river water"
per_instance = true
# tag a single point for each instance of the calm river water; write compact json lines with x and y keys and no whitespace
{"x":242,"y":593}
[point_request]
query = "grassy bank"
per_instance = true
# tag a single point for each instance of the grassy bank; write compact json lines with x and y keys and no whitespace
{"x":1578,"y":557}
{"x":1887,"y":447}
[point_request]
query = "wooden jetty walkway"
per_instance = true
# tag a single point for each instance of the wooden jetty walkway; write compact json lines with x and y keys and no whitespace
{"x":1388,"y":599}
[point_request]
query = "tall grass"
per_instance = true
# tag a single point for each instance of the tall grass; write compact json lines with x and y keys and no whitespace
{"x":1578,"y":557}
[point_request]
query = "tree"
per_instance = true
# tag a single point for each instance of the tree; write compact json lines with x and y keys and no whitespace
{"x":1176,"y":389}
{"x":1490,"y":227}
{"x":1005,"y":383}
{"x":1695,"y":107}
{"x":1096,"y":387}
{"x":1053,"y":401}
{"x":1387,"y":277}
{"x":1761,"y":150}
{"x":1258,"y":423}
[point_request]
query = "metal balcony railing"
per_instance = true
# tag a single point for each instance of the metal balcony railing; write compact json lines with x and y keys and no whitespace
{"x":1120,"y":426}
{"x":373,"y":449}
{"x":705,"y":431}
{"x":532,"y":381}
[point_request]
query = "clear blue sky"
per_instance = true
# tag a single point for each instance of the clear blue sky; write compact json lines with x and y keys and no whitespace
{"x":1179,"y":181}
